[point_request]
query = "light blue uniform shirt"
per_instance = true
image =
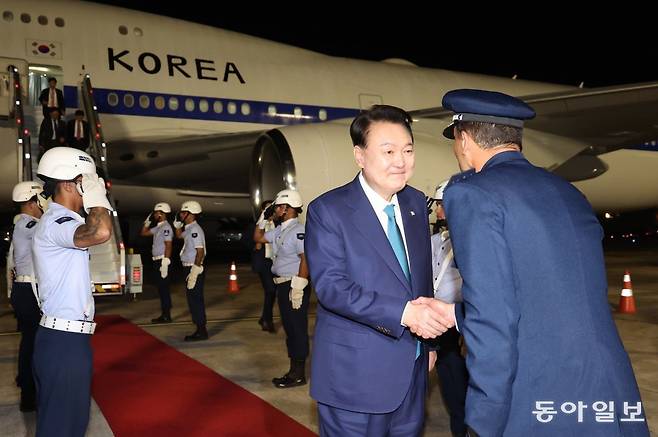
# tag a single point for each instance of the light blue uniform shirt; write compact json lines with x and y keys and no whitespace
{"x":161,"y":232}
{"x":62,"y":269}
{"x":24,"y":230}
{"x":449,"y":289}
{"x":288,"y":243}
{"x":193,"y":239}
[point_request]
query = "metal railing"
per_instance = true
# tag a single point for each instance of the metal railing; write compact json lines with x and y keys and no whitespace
{"x":22,"y":132}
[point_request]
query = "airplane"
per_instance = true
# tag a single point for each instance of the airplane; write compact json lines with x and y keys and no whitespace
{"x":192,"y":112}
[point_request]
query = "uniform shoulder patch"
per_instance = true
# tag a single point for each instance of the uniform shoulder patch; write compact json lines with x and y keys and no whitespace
{"x":64,"y":219}
{"x":194,"y":235}
{"x":31,"y":224}
{"x":166,"y":232}
{"x":300,"y":236}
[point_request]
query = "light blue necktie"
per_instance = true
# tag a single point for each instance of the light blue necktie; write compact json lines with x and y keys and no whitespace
{"x":395,"y":238}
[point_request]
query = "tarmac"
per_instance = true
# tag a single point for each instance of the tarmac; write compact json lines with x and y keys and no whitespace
{"x":240,"y":351}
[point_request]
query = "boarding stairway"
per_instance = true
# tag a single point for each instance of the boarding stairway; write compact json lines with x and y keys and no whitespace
{"x":107,"y":260}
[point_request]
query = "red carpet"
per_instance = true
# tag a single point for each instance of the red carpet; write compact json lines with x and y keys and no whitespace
{"x":144,"y":387}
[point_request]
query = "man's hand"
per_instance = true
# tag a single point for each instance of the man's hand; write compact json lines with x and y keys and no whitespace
{"x":444,"y":312}
{"x":433,"y":356}
{"x":195,"y":271}
{"x":93,"y":192}
{"x":296,"y":295}
{"x":422,"y":320}
{"x":164,"y":267}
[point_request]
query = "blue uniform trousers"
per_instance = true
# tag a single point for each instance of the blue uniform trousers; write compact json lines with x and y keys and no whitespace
{"x":405,"y":421}
{"x":28,"y":315}
{"x":163,"y":287}
{"x":63,"y":368}
{"x":453,"y":378}
{"x":295,"y":322}
{"x":269,"y":289}
{"x":195,"y":299}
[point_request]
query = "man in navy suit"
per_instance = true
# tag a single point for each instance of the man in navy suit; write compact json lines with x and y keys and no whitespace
{"x":368,"y":249}
{"x":52,"y":97}
{"x":544,"y":355}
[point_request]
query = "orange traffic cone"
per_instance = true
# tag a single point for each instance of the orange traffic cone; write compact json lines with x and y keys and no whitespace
{"x":233,"y":286}
{"x":627,"y":301}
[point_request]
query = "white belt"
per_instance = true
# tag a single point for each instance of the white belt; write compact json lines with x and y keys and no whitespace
{"x":281,"y":279}
{"x":156,"y":258}
{"x":188,"y":264}
{"x":23,"y":278}
{"x":67,"y":325}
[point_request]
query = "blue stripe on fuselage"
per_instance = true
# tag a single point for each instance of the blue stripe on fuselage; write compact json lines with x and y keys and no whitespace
{"x":246,"y":111}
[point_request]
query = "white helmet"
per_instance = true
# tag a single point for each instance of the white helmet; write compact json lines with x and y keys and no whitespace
{"x":289,"y":197}
{"x":191,"y":206}
{"x":65,"y":164}
{"x":163,"y":207}
{"x":439,"y":190}
{"x":24,"y":191}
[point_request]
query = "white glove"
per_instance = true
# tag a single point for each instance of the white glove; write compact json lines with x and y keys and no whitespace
{"x":147,"y":222}
{"x":178,"y":224}
{"x":164,"y":267}
{"x":261,"y":222}
{"x":296,"y":295}
{"x":93,"y":192}
{"x":191,"y":278}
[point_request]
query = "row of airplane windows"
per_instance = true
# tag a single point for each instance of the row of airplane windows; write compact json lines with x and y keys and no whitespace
{"x":191,"y":104}
{"x":27,"y":18}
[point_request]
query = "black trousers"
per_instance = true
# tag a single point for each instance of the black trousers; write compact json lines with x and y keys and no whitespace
{"x":28,"y":315}
{"x":163,"y":287}
{"x":63,"y":365}
{"x":195,"y":300}
{"x":453,"y":378}
{"x":295,"y":322}
{"x":269,"y":289}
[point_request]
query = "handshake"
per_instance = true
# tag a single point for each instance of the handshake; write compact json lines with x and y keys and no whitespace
{"x":428,"y":318}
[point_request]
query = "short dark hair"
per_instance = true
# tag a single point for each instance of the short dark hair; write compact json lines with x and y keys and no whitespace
{"x":490,"y":135}
{"x":360,"y":126}
{"x":50,"y":79}
{"x":80,"y":112}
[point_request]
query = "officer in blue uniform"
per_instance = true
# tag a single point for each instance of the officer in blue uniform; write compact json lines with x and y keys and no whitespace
{"x":62,"y":349}
{"x":192,"y":256}
{"x":447,"y":285}
{"x":536,"y":319}
{"x":163,"y":235}
{"x":24,"y":294}
{"x":291,"y":279}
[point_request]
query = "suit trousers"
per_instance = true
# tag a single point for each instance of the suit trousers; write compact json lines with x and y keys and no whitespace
{"x":295,"y":322}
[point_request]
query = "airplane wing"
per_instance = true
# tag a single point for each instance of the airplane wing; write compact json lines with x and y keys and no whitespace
{"x":573,"y":127}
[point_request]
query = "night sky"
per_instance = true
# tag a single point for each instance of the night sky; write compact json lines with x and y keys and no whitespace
{"x":569,"y":46}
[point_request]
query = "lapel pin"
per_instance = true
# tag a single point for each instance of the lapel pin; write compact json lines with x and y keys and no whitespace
{"x":412,"y":213}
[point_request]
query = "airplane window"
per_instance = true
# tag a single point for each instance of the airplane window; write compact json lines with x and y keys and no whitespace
{"x":25,"y":18}
{"x":173,"y":103}
{"x":232,"y":108}
{"x":298,"y":112}
{"x":203,"y":105}
{"x":112,"y":99}
{"x":144,"y":101}
{"x":59,"y":22}
{"x":43,"y":20}
{"x":138,"y":31}
{"x":189,"y":105}
{"x":271,"y":110}
{"x":152,"y":154}
{"x":322,"y":114}
{"x":127,"y":157}
{"x":128,"y":100}
{"x":8,"y":16}
{"x":159,"y":102}
{"x":245,"y":109}
{"x":217,"y":107}
{"x":123,"y":30}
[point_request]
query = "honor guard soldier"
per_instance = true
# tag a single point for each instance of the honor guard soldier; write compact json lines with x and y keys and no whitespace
{"x":24,"y":294}
{"x":191,"y":256}
{"x":291,"y":279}
{"x":62,"y":349}
{"x":161,"y":252}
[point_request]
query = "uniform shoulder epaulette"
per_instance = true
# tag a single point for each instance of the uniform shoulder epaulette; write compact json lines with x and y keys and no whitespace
{"x":64,"y":219}
{"x":460,"y":177}
{"x":31,"y":224}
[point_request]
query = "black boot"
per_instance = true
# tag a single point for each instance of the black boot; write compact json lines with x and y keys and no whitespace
{"x":295,"y":377}
{"x":200,"y":334}
{"x":267,"y":325}
{"x":165,"y":317}
{"x":28,"y":402}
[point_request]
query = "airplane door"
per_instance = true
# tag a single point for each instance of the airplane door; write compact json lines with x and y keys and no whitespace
{"x":6,"y":83}
{"x":367,"y":100}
